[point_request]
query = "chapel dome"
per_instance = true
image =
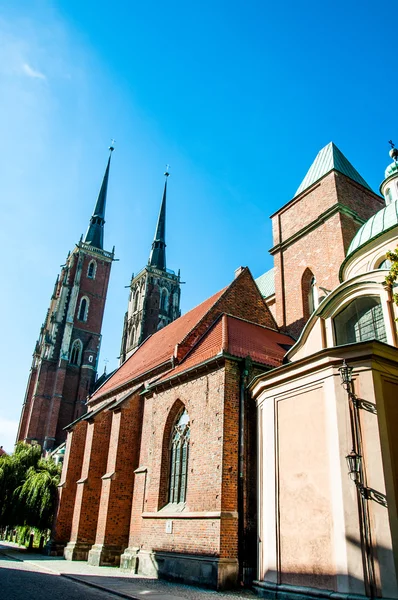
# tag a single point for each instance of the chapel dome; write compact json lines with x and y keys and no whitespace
{"x":382,"y":221}
{"x":392,"y":169}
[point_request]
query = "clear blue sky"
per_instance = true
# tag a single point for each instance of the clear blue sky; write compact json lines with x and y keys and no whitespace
{"x":238,"y":97}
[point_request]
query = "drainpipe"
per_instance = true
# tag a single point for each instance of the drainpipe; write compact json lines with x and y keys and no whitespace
{"x":245,"y":366}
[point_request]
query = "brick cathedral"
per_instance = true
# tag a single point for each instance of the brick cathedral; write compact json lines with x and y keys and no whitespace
{"x":166,"y":471}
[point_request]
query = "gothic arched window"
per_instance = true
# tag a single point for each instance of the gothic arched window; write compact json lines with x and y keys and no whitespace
{"x":309,"y":293}
{"x":83,"y":309}
{"x":163,"y":300}
{"x":312,"y":296}
{"x":136,"y":301}
{"x":76,"y":353}
{"x":179,"y":455}
{"x":92,"y":268}
{"x":132,"y":336}
{"x":360,"y":321}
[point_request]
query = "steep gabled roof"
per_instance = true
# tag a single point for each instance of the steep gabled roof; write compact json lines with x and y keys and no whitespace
{"x":158,"y":348}
{"x":239,"y":338}
{"x":172,"y":344}
{"x":328,"y":159}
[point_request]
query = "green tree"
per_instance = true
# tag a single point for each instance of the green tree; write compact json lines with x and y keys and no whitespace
{"x":392,"y":277}
{"x":28,"y":488}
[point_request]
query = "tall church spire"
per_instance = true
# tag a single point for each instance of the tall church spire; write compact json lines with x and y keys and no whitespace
{"x":157,"y":257}
{"x":154,"y":292}
{"x":95,"y":232}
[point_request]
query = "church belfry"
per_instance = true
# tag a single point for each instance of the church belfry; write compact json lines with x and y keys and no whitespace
{"x":154,"y":292}
{"x":65,"y":358}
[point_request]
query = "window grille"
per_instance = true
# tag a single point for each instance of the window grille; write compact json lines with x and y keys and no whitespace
{"x":179,"y":456}
{"x":360,"y":321}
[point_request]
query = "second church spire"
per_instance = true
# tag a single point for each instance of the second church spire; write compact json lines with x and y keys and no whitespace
{"x":157,"y":257}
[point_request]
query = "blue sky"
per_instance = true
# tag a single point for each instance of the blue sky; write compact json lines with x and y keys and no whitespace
{"x":238,"y":97}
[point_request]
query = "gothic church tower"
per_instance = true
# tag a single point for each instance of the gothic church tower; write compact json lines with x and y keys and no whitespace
{"x":154,"y":292}
{"x":64,"y":366}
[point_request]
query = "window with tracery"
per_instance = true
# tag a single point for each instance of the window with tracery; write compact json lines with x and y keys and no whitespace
{"x":179,"y":456}
{"x":83,"y":309}
{"x":75,"y":353}
{"x":360,"y":321}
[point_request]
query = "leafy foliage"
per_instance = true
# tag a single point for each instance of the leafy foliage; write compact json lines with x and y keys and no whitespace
{"x":28,"y":488}
{"x":393,"y":274}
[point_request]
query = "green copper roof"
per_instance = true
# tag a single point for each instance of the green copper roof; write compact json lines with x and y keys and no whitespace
{"x":392,"y":169}
{"x":328,"y":159}
{"x":266,"y":283}
{"x":382,"y":221}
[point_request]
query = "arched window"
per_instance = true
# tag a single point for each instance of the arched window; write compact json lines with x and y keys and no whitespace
{"x":76,"y":353}
{"x":83,"y":309}
{"x":385,"y":264}
{"x":388,"y":196}
{"x":360,"y":321}
{"x":179,"y":455}
{"x":132,"y":336}
{"x":163,"y":300}
{"x":312,"y":296}
{"x":309,"y":293}
{"x":136,"y":301}
{"x":92,"y":269}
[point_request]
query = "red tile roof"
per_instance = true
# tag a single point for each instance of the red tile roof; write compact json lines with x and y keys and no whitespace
{"x":263,"y":345}
{"x":238,"y":338}
{"x":157,"y":349}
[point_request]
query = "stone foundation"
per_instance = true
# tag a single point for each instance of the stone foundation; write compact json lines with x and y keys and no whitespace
{"x":209,"y":571}
{"x":102,"y":556}
{"x":129,"y":560}
{"x":77,"y":551}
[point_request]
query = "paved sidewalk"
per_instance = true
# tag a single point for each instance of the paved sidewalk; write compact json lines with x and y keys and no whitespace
{"x":110,"y":579}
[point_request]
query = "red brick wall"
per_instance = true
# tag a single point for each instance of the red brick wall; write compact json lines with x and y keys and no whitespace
{"x":96,"y":290}
{"x":243,"y":300}
{"x":117,"y":491}
{"x":203,"y":399}
{"x":71,"y":472}
{"x":320,"y":250}
{"x":230,"y":463}
{"x":84,"y":524}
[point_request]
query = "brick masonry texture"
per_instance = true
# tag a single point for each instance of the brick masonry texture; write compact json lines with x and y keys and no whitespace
{"x":320,"y":251}
{"x":121,"y":499}
{"x":123,"y":461}
{"x":57,"y":390}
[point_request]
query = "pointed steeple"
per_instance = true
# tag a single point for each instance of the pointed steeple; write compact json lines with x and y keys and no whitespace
{"x":328,"y":159}
{"x":157,"y":257}
{"x":95,"y":232}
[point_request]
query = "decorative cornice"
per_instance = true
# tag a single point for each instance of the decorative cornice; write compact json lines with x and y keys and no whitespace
{"x":330,"y":212}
